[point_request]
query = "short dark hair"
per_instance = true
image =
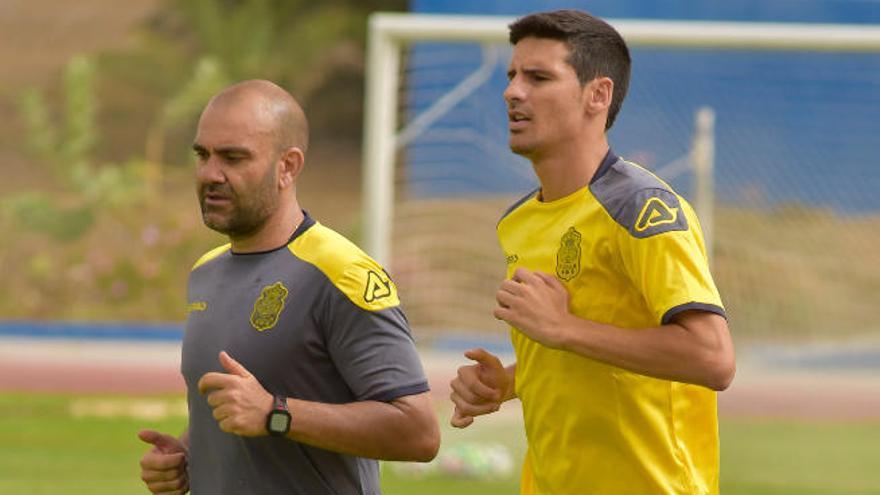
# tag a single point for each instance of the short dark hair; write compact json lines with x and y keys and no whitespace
{"x":597,"y":49}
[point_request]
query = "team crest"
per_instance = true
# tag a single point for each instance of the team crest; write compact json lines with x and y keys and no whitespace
{"x":655,"y":213}
{"x":568,"y":258}
{"x":378,"y":287}
{"x":268,"y":306}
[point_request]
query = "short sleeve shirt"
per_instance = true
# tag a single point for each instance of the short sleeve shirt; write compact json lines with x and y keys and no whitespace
{"x":630,"y":253}
{"x":316,"y":320}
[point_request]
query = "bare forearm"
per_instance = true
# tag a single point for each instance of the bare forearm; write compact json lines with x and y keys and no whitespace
{"x":702,"y":356}
{"x":694,"y":348}
{"x":402,"y":430}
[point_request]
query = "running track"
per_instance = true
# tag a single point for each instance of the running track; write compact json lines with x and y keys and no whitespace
{"x":152,"y":367}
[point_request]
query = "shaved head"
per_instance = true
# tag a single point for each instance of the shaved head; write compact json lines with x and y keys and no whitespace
{"x":276,"y":111}
{"x":250,"y":145}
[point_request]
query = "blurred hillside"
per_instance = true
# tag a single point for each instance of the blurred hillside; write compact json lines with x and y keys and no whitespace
{"x":101,"y":100}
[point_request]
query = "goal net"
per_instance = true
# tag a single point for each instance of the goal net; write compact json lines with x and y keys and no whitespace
{"x":770,"y":130}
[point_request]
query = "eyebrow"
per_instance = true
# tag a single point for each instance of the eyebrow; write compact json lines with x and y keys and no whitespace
{"x":530,"y":72}
{"x":226,"y":150}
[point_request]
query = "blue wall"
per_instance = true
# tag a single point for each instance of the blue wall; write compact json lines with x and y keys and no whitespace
{"x":791,"y":127}
{"x":845,"y":11}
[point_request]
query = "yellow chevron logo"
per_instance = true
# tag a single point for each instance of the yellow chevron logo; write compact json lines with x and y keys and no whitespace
{"x":654,"y":213}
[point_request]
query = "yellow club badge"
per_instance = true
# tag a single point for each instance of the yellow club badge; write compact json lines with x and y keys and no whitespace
{"x":268,"y":306}
{"x":568,"y":258}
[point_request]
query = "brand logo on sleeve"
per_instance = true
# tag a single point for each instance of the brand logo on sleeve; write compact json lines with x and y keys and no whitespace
{"x":196,"y":306}
{"x":568,"y":258}
{"x":655,"y":213}
{"x":268,"y":306}
{"x":378,"y":286}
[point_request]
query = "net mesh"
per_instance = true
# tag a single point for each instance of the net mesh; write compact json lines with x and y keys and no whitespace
{"x":797,"y":214}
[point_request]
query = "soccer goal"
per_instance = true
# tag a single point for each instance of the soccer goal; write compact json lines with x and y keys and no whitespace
{"x":768,"y":129}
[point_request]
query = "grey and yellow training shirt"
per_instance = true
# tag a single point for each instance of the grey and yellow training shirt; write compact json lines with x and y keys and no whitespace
{"x":316,"y":319}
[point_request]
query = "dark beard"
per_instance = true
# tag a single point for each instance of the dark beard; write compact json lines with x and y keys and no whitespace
{"x":248,"y":214}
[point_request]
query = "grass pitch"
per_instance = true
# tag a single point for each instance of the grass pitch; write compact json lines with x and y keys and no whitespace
{"x":71,"y":445}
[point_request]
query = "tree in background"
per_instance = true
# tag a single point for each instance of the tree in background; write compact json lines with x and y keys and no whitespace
{"x":100,"y":234}
{"x":306,"y":46}
{"x":68,"y":150}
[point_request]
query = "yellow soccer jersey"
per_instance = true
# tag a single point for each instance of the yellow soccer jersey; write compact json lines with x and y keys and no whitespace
{"x":630,"y":252}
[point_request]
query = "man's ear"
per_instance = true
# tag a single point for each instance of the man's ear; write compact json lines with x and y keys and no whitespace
{"x":292,"y":162}
{"x":598,"y":94}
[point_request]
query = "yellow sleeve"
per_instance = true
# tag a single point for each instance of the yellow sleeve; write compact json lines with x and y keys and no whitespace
{"x":670,"y":269}
{"x":358,"y":276}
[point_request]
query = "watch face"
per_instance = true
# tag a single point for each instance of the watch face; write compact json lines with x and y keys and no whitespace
{"x":279,"y":422}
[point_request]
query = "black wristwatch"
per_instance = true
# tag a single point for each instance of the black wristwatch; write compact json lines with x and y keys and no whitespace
{"x":278,"y":419}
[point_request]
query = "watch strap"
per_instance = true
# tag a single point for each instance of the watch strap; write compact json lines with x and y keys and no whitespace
{"x":279,"y":403}
{"x":279,"y":411}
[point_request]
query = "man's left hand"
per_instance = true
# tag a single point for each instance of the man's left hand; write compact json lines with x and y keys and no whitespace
{"x":240,"y":403}
{"x":536,"y":304}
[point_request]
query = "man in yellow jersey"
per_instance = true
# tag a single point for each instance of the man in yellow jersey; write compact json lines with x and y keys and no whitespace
{"x":299,"y":364}
{"x":620,"y":335}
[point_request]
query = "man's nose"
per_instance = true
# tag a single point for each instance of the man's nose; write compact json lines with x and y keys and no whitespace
{"x":210,"y":172}
{"x":513,"y":92}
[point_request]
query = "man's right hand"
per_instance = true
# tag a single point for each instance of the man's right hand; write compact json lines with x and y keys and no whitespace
{"x":479,"y":388}
{"x":163,"y":468}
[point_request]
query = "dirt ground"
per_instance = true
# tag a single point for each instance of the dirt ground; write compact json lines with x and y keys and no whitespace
{"x":37,"y":37}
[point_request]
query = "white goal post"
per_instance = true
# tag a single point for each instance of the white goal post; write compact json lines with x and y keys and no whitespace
{"x":390,"y":32}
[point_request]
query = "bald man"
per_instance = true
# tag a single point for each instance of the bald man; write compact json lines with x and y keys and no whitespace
{"x":299,"y":364}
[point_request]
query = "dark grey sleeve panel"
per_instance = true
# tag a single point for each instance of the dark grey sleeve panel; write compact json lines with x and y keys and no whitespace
{"x":653,"y":211}
{"x":373,"y":350}
{"x":518,"y":202}
{"x":392,"y":394}
{"x":638,"y":201}
{"x":710,"y":308}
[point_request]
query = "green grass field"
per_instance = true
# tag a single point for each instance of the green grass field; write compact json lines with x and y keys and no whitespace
{"x":55,"y":444}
